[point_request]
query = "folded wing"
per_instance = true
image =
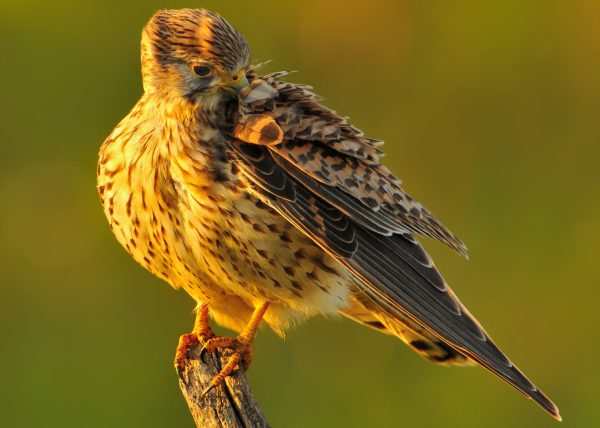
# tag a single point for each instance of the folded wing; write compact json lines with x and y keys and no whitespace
{"x":325,"y":179}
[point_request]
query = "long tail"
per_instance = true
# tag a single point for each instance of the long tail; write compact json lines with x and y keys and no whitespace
{"x":422,"y":341}
{"x":416,"y":337}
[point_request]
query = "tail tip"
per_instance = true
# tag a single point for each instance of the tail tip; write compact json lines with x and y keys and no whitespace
{"x":557,"y":416}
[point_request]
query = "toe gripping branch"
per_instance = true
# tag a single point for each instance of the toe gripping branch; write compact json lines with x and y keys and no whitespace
{"x":241,"y":346}
{"x":201,"y":333}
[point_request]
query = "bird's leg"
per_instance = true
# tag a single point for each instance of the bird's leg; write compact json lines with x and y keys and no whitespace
{"x":201,"y":332}
{"x":241,"y":346}
{"x":201,"y":325}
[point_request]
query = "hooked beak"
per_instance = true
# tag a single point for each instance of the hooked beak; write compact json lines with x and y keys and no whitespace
{"x":237,"y":82}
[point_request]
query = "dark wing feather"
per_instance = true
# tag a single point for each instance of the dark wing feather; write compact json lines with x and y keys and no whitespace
{"x":323,"y":145}
{"x":372,"y":240}
{"x":260,"y":168}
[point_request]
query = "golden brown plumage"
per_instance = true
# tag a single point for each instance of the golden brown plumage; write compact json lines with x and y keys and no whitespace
{"x":263,"y":204}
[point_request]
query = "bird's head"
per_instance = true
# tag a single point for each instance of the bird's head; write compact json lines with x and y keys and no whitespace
{"x":193,"y":53}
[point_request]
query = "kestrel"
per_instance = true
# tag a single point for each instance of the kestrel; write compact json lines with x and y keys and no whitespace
{"x":263,"y":204}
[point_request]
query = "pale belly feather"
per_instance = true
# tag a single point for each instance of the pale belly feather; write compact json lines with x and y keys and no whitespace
{"x":221,"y":244}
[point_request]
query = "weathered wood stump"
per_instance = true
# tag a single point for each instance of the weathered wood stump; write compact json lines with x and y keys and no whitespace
{"x":231,"y":405}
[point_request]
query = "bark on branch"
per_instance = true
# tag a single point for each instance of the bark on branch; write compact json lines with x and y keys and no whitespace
{"x":231,"y":405}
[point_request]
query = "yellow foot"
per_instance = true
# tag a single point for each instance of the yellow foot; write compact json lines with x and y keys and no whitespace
{"x":201,"y":334}
{"x":181,"y":355}
{"x":242,"y":353}
{"x":241,"y":346}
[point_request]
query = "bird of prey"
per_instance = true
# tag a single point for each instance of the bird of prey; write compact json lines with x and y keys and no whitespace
{"x":264,"y":205}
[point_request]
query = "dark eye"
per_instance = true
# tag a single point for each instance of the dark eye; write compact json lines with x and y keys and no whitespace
{"x":202,"y":70}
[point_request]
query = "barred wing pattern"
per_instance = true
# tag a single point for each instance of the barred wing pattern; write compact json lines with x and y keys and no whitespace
{"x":336,"y":154}
{"x":325,"y":179}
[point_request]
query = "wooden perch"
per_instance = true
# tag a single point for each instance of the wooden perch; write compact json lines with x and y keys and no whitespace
{"x":230,"y":405}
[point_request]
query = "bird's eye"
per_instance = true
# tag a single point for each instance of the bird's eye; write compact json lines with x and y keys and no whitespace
{"x":202,"y":70}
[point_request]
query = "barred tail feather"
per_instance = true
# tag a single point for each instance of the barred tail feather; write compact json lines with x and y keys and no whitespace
{"x":416,"y":337}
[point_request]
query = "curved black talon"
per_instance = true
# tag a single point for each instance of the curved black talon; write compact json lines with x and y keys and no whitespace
{"x":180,"y":372}
{"x":208,"y":389}
{"x":203,"y":352}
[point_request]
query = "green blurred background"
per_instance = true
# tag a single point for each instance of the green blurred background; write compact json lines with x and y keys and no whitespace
{"x":491,"y":114}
